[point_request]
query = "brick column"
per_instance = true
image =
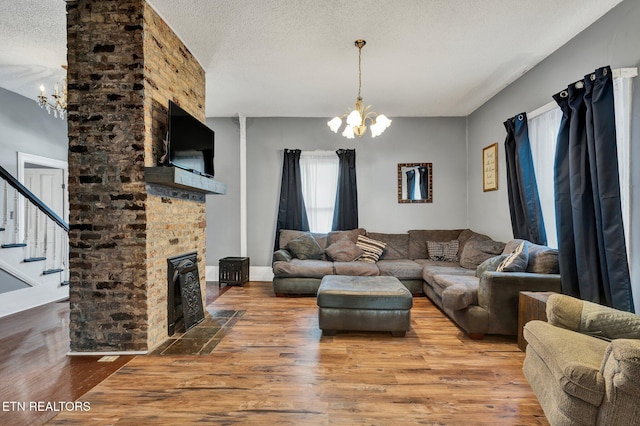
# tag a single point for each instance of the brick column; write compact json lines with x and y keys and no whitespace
{"x":125,"y":63}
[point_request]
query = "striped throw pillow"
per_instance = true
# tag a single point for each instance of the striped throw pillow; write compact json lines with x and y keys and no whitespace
{"x":372,"y":249}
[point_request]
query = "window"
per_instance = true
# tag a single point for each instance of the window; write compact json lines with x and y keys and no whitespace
{"x":319,"y":171}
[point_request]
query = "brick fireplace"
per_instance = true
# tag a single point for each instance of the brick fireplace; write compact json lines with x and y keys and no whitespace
{"x":124,"y":64}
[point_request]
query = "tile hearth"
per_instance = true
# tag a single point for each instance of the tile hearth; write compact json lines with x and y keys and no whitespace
{"x":204,"y":337}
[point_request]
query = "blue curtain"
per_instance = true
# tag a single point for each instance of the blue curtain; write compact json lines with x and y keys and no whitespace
{"x":292,"y":213}
{"x":591,"y":242}
{"x":411,"y":184}
{"x":345,"y":214}
{"x":524,"y":201}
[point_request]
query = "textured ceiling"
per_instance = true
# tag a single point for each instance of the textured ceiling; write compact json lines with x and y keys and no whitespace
{"x":295,"y":58}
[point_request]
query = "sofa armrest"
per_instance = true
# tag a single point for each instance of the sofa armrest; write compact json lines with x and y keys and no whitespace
{"x":498,"y":294}
{"x":564,"y":311}
{"x":621,"y":366}
{"x":497,"y":287}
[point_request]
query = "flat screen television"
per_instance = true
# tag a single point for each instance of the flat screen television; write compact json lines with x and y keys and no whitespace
{"x":190,"y":142}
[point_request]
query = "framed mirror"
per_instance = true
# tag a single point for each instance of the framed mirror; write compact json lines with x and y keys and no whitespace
{"x":415,"y":183}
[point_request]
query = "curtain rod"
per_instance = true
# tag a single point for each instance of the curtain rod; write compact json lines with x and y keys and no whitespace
{"x":617,"y":73}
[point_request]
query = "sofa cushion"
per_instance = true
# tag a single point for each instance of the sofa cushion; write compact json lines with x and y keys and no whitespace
{"x":490,"y":264}
{"x":431,"y":269}
{"x":458,"y":291}
{"x":352,"y":234}
{"x":303,"y":268}
{"x":305,"y":247}
{"x":344,"y":251}
{"x":372,"y":249}
{"x":418,"y":240}
{"x":574,"y":359}
{"x":356,"y":269}
{"x":446,"y":251}
{"x":516,"y":261}
{"x":476,"y":251}
{"x":400,"y":268}
{"x":397,"y":245}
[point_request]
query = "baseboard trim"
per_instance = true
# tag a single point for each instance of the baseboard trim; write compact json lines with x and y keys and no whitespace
{"x":256,"y":273}
{"x":107,"y":353}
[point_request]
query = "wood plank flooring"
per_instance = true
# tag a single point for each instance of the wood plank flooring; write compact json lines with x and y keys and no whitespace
{"x":34,"y":366}
{"x":275,"y":367}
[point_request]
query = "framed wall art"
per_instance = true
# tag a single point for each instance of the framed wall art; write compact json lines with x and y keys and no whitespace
{"x":490,"y":168}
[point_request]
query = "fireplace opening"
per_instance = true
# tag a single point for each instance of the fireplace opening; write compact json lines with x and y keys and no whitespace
{"x":184,"y":298}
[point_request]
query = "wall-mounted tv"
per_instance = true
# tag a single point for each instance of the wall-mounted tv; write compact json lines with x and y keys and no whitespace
{"x":191,"y":143}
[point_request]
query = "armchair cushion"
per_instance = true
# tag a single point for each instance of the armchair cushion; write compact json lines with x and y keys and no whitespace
{"x":574,"y":359}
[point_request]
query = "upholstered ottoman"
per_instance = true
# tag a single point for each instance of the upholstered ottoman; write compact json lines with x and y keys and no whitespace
{"x":363,"y":304}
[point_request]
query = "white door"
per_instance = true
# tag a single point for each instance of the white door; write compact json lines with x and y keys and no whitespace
{"x":45,"y":237}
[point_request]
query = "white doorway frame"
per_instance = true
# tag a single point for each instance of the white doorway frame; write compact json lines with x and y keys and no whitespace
{"x":24,"y":158}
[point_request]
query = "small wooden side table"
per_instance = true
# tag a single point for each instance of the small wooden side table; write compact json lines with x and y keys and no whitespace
{"x":532,"y":305}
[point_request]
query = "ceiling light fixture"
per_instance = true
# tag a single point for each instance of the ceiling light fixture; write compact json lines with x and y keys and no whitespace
{"x":357,"y":118}
{"x":59,"y":100}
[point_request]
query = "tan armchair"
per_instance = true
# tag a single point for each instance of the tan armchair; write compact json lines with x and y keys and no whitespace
{"x":584,"y":364}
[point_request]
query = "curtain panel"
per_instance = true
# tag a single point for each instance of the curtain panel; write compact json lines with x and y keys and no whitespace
{"x":345,"y":214}
{"x":591,"y":240}
{"x":292,"y":213}
{"x":524,"y":202}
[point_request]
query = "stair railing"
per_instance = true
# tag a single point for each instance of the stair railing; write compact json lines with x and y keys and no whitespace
{"x":46,"y":241}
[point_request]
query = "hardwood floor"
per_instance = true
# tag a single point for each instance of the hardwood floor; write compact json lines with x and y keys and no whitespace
{"x":275,"y":367}
{"x":34,"y":366}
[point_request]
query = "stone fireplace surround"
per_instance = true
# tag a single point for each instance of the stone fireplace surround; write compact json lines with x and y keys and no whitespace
{"x":124,"y":64}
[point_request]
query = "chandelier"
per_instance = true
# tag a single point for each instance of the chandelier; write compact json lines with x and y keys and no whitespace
{"x":58,"y":102}
{"x":358,"y":117}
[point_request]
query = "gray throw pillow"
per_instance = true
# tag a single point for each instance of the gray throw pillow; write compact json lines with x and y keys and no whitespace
{"x":516,"y":261}
{"x":305,"y":247}
{"x":344,"y":251}
{"x":476,"y":251}
{"x":490,"y":264}
{"x":542,"y":259}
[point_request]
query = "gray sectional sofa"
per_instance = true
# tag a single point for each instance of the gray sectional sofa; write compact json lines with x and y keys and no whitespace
{"x":455,"y":269}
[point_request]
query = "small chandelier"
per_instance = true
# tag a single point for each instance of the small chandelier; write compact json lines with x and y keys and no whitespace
{"x":357,"y":118}
{"x":58,"y":103}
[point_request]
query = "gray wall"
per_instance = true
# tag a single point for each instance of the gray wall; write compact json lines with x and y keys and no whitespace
{"x":441,"y":141}
{"x":27,"y":128}
{"x":223,"y":211}
{"x":613,"y":40}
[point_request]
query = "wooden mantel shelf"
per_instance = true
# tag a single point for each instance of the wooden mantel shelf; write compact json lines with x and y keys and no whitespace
{"x":183,"y":179}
